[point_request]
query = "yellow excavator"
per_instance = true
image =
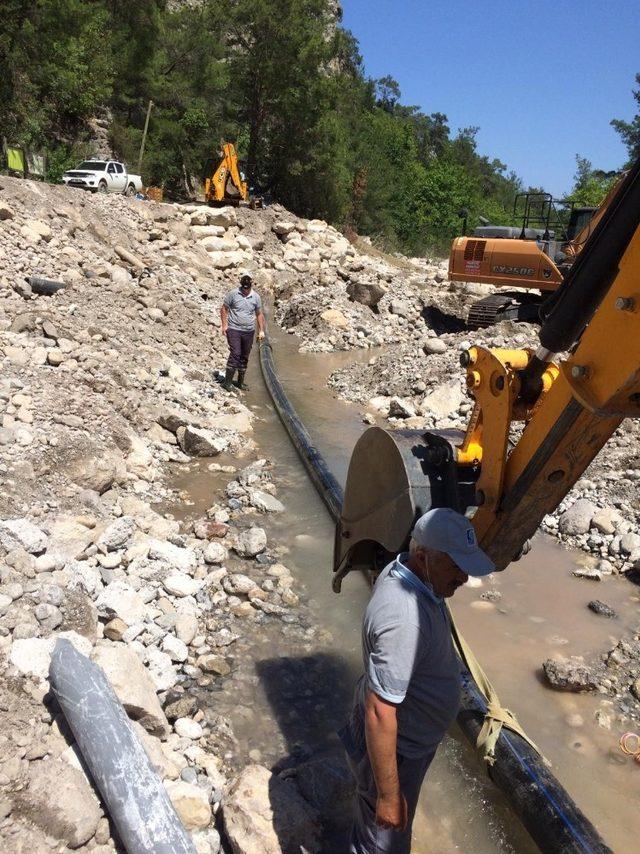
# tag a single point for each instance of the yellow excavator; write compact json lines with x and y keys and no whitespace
{"x":225,"y":184}
{"x":535,"y":256}
{"x":506,"y":480}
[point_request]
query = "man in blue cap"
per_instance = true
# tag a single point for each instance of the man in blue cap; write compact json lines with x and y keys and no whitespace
{"x":410,"y":691}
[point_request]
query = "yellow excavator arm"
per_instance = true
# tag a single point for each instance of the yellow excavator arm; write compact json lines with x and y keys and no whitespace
{"x":569,"y":408}
{"x":226,"y":186}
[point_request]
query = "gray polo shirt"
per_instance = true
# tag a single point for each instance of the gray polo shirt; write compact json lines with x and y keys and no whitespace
{"x":242,"y":310}
{"x":409,"y":658}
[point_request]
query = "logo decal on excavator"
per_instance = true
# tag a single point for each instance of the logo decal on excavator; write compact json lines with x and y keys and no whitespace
{"x":513,"y":271}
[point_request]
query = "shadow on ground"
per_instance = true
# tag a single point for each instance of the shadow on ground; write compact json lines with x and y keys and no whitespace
{"x":310,"y":698}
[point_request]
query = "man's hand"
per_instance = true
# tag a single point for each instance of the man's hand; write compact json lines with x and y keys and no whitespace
{"x":224,"y":329}
{"x":261,"y":335}
{"x":391,"y":811}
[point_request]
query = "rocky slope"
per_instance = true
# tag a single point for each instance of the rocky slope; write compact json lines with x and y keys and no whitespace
{"x":105,"y":384}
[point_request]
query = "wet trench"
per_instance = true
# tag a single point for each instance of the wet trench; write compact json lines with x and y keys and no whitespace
{"x":291,"y":682}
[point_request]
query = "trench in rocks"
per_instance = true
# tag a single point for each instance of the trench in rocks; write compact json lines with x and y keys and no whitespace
{"x":290,"y":685}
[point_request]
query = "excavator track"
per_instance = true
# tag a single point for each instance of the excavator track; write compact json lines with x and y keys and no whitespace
{"x":504,"y":306}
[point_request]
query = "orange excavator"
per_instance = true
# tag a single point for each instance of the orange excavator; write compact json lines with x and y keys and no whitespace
{"x":226,"y":185}
{"x":535,"y":256}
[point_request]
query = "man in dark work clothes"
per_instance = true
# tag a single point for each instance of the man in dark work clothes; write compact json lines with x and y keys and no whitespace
{"x":240,"y":310}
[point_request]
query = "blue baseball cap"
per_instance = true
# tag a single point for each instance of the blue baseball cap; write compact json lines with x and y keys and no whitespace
{"x":444,"y":530}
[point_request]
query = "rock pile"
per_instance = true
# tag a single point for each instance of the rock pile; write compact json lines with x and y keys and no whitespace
{"x":103,"y":385}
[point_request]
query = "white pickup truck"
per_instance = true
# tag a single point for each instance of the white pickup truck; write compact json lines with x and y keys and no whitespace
{"x":103,"y":176}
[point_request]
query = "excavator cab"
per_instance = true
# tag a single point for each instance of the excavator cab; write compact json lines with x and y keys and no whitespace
{"x":579,"y":220}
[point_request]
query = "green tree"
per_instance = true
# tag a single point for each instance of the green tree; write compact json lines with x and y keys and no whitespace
{"x":630,"y":131}
{"x":56,"y":69}
{"x":590,"y":185}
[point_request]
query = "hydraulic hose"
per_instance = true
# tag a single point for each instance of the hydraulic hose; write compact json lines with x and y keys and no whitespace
{"x":553,"y":820}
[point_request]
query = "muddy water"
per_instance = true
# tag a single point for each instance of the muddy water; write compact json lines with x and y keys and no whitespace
{"x":291,"y":684}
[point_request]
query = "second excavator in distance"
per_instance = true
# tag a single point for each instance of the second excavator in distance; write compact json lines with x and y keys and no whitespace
{"x":534,"y":256}
{"x":224,"y":182}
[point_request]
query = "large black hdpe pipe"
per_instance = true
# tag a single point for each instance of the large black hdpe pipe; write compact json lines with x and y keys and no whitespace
{"x":544,"y":807}
{"x":131,"y":789}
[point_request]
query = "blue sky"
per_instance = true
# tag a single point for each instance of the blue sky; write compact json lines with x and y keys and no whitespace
{"x":541,"y":79}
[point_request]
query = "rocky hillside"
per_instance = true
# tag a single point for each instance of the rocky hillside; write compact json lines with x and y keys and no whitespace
{"x":103,"y":384}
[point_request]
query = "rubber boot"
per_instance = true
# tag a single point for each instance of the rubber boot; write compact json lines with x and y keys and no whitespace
{"x":241,"y":384}
{"x":227,"y":383}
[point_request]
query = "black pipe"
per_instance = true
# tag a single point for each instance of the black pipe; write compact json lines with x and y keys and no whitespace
{"x":545,"y":808}
{"x":44,"y":287}
{"x":324,"y":481}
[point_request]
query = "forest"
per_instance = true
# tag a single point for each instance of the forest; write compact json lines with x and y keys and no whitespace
{"x":281,"y":78}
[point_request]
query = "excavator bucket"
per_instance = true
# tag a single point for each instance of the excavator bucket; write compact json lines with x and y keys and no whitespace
{"x":393,"y":478}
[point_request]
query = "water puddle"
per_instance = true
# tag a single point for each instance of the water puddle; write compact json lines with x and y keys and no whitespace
{"x":291,"y":685}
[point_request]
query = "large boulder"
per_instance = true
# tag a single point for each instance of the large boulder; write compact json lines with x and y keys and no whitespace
{"x":191,"y":804}
{"x":95,"y":468}
{"x":334,"y":317}
{"x":60,"y":800}
{"x":199,"y":442}
{"x":240,"y":421}
{"x":219,"y":244}
{"x":225,"y":217}
{"x":133,"y":686}
{"x":225,"y":260}
{"x":22,"y":534}
{"x":577,"y":519}
{"x":366,"y":293}
{"x":118,"y":599}
{"x":284,"y":227}
{"x":32,"y":656}
{"x":264,"y":814}
{"x":399,"y":408}
{"x":179,"y":584}
{"x":433,"y":346}
{"x":117,"y":534}
{"x":251,"y":542}
{"x":265,"y":502}
{"x":179,"y":558}
{"x":570,"y":674}
{"x":68,"y":538}
{"x":444,"y":401}
{"x":161,"y":669}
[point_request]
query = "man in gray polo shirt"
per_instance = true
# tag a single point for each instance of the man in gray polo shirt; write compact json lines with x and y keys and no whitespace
{"x":410,"y":692}
{"x":240,"y":311}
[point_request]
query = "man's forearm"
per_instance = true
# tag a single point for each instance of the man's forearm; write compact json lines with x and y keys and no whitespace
{"x":260,"y":318}
{"x":381,"y":731}
{"x":224,"y":315}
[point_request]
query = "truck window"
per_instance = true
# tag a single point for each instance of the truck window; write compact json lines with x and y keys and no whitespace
{"x":93,"y":165}
{"x":111,"y":168}
{"x":119,"y":168}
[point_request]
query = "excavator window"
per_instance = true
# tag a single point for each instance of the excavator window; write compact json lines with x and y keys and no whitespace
{"x":579,"y":219}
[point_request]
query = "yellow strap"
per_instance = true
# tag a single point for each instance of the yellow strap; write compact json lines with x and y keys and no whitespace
{"x":496,"y":716}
